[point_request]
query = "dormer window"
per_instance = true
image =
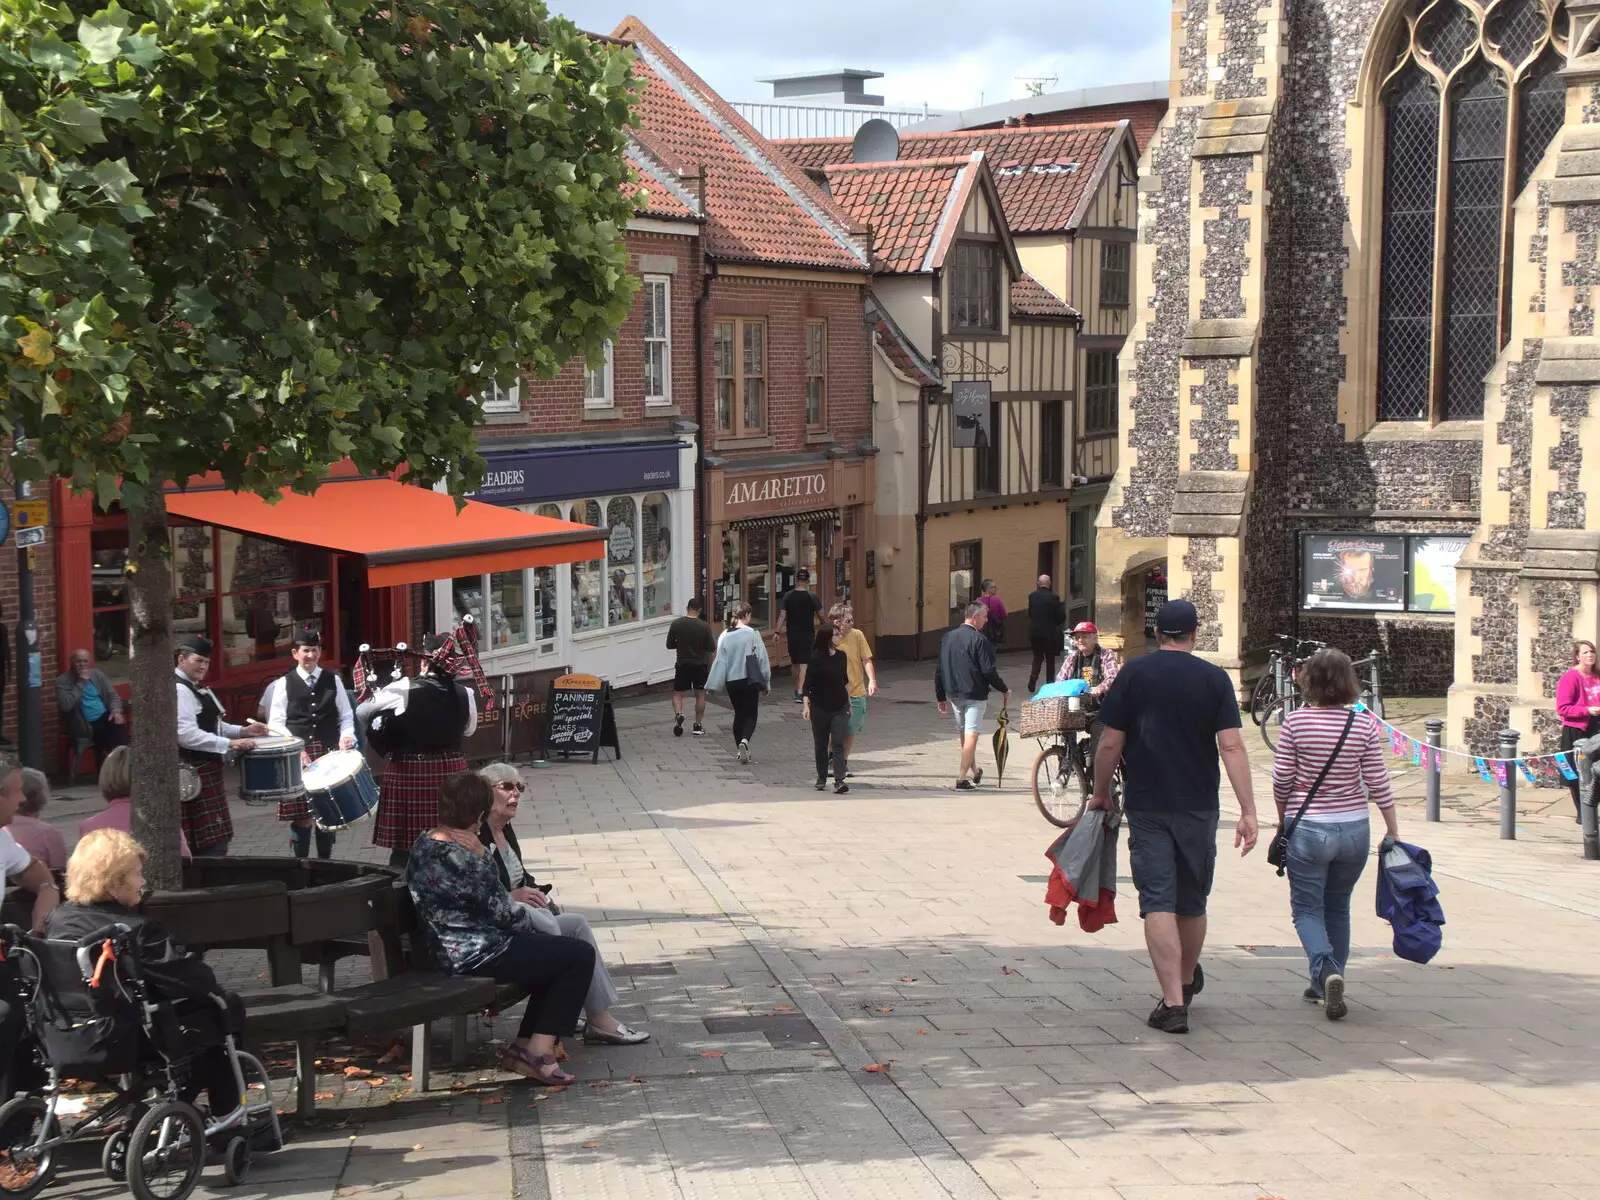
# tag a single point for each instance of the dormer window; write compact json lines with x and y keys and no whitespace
{"x":975,"y":287}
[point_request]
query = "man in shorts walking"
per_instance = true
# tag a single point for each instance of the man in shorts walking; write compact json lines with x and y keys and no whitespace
{"x":1167,"y":717}
{"x":961,"y":683}
{"x":797,"y":614}
{"x":861,"y":677}
{"x":692,"y":639}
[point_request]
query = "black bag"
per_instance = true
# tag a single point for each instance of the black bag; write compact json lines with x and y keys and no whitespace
{"x":1278,"y":851}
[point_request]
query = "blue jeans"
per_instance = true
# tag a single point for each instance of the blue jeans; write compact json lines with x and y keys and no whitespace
{"x":1325,"y":860}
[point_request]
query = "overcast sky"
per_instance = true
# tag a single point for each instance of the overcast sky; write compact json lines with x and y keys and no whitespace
{"x":945,"y":53}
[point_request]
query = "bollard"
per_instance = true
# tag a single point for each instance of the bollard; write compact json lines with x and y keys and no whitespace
{"x":1377,"y":684}
{"x":1508,"y":789}
{"x":1584,"y":764}
{"x":1430,"y":782}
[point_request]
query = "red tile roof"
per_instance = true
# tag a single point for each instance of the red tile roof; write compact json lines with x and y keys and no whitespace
{"x":1041,"y":173}
{"x":759,"y":206}
{"x":1142,"y":116}
{"x":897,"y":348}
{"x":908,"y":205}
{"x":666,"y":196}
{"x":1030,"y":298}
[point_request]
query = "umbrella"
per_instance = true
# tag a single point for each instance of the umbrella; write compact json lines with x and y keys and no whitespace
{"x":1001,"y":749}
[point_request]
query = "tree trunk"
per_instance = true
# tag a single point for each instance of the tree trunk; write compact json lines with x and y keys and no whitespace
{"x":155,"y":698}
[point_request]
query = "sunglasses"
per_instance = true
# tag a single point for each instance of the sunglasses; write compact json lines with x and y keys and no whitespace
{"x":512,"y":787}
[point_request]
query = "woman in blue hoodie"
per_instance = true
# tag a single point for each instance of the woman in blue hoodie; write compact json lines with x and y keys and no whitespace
{"x":742,"y":670}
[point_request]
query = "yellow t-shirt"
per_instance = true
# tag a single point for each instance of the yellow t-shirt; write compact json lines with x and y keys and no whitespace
{"x":857,"y":653}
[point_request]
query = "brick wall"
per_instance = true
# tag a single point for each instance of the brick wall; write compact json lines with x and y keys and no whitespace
{"x":44,"y":599}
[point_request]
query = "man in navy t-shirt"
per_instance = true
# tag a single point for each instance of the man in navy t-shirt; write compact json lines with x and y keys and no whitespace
{"x":1167,"y":717}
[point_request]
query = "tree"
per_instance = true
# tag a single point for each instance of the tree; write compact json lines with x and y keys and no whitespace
{"x":256,"y":237}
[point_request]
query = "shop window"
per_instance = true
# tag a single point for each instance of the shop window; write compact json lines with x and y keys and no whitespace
{"x":655,"y":555}
{"x":497,"y":605}
{"x":543,"y":602}
{"x":657,"y":339}
{"x":739,"y":361}
{"x":1099,"y":392}
{"x":731,"y":584}
{"x":466,"y":594}
{"x":966,"y":573}
{"x":758,"y":576}
{"x":492,"y":398}
{"x":588,"y":578}
{"x":549,"y":510}
{"x":270,"y":589}
{"x":1052,"y":443}
{"x":975,"y":287}
{"x":193,"y":572}
{"x":1114,"y":258}
{"x":597,"y":381}
{"x":113,"y":645}
{"x":816,"y":373}
{"x":786,"y":558}
{"x":622,"y":553}
{"x":988,"y":480}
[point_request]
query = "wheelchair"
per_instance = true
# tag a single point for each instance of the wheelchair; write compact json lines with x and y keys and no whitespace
{"x":93,"y":1018}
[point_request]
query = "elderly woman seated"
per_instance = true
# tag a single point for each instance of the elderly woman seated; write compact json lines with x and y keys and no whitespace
{"x":599,"y":1026}
{"x":473,"y":927}
{"x":105,"y":886}
{"x":116,"y":788}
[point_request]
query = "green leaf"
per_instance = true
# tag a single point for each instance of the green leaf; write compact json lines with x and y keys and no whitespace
{"x":53,"y":54}
{"x":75,"y":122}
{"x":116,"y":180}
{"x":101,"y":34}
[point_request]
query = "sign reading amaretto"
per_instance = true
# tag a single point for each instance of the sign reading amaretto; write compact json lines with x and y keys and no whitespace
{"x":779,"y":492}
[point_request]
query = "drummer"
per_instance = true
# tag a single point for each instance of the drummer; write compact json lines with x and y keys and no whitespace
{"x":428,"y":716}
{"x":312,"y":705}
{"x":204,"y":738}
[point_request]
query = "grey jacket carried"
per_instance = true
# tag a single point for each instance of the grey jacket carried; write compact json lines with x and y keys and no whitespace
{"x":733,"y":649}
{"x":69,"y":697}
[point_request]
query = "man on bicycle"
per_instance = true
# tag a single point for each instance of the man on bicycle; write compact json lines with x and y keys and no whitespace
{"x":1091,"y":662}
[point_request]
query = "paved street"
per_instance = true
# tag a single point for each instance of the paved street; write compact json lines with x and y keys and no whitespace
{"x":779,"y":941}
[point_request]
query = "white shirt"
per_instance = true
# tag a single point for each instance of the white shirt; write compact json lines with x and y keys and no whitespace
{"x":190,"y":735}
{"x":14,"y":860}
{"x":392,"y":697}
{"x":277,"y":702}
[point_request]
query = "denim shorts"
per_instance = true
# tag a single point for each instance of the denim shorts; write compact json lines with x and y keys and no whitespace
{"x":1173,"y":856}
{"x":969,"y":715}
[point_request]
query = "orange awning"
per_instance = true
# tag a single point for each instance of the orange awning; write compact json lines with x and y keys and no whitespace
{"x":407,"y":534}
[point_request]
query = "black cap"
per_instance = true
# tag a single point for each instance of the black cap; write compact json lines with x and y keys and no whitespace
{"x":1176,"y":618}
{"x":307,"y":636}
{"x":194,"y":643}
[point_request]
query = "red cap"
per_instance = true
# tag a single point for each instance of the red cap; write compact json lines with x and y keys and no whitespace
{"x":1085,"y":627}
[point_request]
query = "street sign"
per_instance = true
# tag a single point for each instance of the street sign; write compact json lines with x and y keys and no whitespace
{"x":32,"y":513}
{"x":30,"y":537}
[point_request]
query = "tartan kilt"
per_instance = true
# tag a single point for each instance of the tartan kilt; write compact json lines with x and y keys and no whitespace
{"x":408,"y":795}
{"x":298,"y":808}
{"x":206,"y":820}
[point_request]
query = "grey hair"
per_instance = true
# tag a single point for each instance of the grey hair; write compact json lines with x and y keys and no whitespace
{"x":498,"y":772}
{"x":976,"y":607}
{"x":986,"y":585}
{"x":35,"y":792}
{"x":8,"y":763}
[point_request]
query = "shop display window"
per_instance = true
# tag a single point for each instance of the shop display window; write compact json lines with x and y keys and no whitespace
{"x":588,"y":578}
{"x":758,"y":576}
{"x":655,"y":553}
{"x":622,"y":579}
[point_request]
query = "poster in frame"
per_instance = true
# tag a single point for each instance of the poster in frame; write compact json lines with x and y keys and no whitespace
{"x":1431,"y":571}
{"x":1363,"y":572}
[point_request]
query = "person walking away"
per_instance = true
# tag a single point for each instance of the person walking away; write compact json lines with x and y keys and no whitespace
{"x":741,"y":668}
{"x":863,"y":676}
{"x":1091,"y":662}
{"x":961,"y":684}
{"x":1167,"y":718}
{"x":1578,"y":706}
{"x":797,"y":615}
{"x":1047,"y":615}
{"x":995,"y":628}
{"x":91,"y":708}
{"x":826,"y":704}
{"x":312,"y":705}
{"x":691,"y":637}
{"x":204,"y":738}
{"x":1329,"y":833}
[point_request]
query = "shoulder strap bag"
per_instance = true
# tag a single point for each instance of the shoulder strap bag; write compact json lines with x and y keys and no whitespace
{"x":1278,"y":852}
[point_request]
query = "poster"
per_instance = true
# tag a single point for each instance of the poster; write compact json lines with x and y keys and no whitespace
{"x":1365,"y":571}
{"x":969,"y":401}
{"x":1433,"y":572}
{"x":1155,"y":595}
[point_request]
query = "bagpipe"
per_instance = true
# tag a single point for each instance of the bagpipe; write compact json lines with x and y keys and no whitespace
{"x":454,"y":654}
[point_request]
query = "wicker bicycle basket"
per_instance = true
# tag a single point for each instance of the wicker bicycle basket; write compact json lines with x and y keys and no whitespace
{"x":1041,"y":717}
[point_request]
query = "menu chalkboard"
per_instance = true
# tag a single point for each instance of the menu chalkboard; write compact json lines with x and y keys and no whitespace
{"x":581,"y":719}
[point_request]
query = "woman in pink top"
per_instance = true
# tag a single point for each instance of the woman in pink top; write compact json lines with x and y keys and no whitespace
{"x":1578,"y":705}
{"x":1328,"y":846}
{"x":116,"y":785}
{"x":995,"y":627}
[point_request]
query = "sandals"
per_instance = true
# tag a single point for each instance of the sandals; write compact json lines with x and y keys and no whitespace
{"x":541,"y":1068}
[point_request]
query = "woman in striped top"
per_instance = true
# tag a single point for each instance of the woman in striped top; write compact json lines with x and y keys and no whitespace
{"x":1328,"y":850}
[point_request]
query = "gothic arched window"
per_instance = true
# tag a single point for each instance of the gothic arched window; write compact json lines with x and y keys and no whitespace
{"x":1471,"y":102}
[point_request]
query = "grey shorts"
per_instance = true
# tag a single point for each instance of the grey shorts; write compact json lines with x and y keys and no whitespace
{"x":1173,"y":856}
{"x":968,"y":715}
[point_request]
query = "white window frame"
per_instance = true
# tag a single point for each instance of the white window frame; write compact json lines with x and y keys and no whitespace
{"x":664,"y":341}
{"x":607,"y":377}
{"x":496,"y":399}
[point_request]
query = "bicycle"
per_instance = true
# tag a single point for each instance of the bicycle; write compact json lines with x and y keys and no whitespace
{"x":1281,"y":659}
{"x":1063,"y":775}
{"x":1371,"y":697}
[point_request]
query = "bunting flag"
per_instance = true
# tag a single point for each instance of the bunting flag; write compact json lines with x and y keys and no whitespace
{"x":1483,"y":769}
{"x":1438,"y":762}
{"x":1500,"y":771}
{"x":1527,"y":772}
{"x":1416,"y":754}
{"x":1565,"y":767}
{"x":1397,"y":740}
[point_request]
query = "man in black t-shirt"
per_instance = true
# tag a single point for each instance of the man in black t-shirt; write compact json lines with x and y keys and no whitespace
{"x":798,"y":615}
{"x":1167,"y":717}
{"x":695,"y":643}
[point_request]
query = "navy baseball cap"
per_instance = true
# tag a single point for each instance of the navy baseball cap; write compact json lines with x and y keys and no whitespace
{"x":1176,"y":618}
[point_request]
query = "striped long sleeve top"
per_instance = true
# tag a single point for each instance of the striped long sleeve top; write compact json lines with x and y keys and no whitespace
{"x":1359,"y":775}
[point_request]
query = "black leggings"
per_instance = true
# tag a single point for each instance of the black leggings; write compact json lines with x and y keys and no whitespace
{"x":554,"y":971}
{"x":745,"y":696}
{"x":829,"y":726}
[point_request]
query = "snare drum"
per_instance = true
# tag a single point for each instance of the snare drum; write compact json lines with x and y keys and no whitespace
{"x":270,"y":770}
{"x":341,"y":789}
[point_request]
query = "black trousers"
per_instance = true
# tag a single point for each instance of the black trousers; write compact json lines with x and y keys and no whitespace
{"x":745,"y":696}
{"x":1570,"y":735}
{"x":108,"y":735}
{"x":300,"y":841}
{"x":554,"y":971}
{"x":1044,"y":652}
{"x":829,"y":727}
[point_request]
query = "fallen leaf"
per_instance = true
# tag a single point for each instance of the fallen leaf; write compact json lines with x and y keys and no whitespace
{"x":691,"y":1071}
{"x":713,"y":1054}
{"x":1008,"y":970}
{"x":494,"y":1099}
{"x":356,"y":1072}
{"x":324,"y":1095}
{"x":908,"y":979}
{"x":418,"y":1146}
{"x":922,"y":1031}
{"x":889,"y":1009}
{"x":783,"y":1008}
{"x":560,"y":1087}
{"x":876,"y":1068}
{"x":377,"y":1081}
{"x":591,"y":1145}
{"x":601,"y":1083}
{"x":636,"y":1079}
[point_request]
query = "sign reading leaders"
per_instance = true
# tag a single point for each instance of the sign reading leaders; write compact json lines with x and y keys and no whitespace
{"x":1433,"y":572}
{"x":969,"y":403}
{"x":1354,"y":570}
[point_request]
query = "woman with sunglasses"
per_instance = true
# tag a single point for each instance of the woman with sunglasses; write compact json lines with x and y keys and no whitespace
{"x":497,"y":836}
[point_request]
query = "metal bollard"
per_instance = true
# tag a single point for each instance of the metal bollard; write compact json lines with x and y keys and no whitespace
{"x":1586,"y":782}
{"x":1430,"y":782}
{"x":1508,"y":789}
{"x":1377,"y":683}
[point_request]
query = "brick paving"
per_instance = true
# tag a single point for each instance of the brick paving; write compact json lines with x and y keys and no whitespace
{"x":778,"y":940}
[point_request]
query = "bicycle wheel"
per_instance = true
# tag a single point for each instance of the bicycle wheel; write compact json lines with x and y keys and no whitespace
{"x":25,"y":1169}
{"x":1261,"y":699}
{"x":166,"y":1152}
{"x":1272,"y":722}
{"x":1059,"y":787}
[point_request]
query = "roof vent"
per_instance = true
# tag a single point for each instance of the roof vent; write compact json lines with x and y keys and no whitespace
{"x":875,"y":141}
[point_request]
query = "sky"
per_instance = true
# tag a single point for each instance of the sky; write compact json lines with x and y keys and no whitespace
{"x":947,"y":54}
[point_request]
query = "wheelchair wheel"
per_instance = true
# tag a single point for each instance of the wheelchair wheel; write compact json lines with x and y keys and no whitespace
{"x":25,"y":1170}
{"x":1059,"y":787}
{"x":114,"y":1157}
{"x":236,"y":1160}
{"x":166,"y":1152}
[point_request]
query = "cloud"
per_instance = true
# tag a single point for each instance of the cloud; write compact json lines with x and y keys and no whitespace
{"x":931,"y":51}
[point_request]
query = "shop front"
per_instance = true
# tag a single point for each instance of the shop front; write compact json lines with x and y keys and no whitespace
{"x":604,"y":616}
{"x":764,"y":524}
